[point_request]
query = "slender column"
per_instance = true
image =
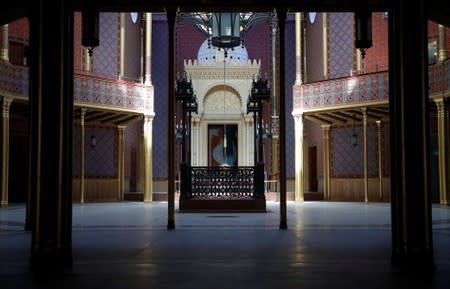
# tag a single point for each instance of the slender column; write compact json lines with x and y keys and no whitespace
{"x":282,"y":25}
{"x":120,"y":162}
{"x":122,"y":46}
{"x":299,"y":162}
{"x":442,"y":51}
{"x":148,"y":172}
{"x":298,"y":48}
{"x":359,"y":63}
{"x":325,"y":44}
{"x":82,"y":139}
{"x":4,"y":53}
{"x":148,"y":48}
{"x":412,"y":243}
{"x":274,"y":117}
{"x":443,"y":144}
{"x":51,"y":101}
{"x":326,"y":161}
{"x":87,"y":60}
{"x":171,"y":17}
{"x":4,"y":142}
{"x":365,"y":156}
{"x":380,"y":164}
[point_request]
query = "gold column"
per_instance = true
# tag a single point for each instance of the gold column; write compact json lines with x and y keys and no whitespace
{"x":380,"y":164}
{"x":5,"y":103}
{"x":4,"y":53}
{"x":443,"y":145}
{"x":171,"y":17}
{"x":148,"y":48}
{"x":299,"y":162}
{"x":365,"y":156}
{"x":442,"y":50}
{"x":326,"y":161}
{"x":148,"y":173}
{"x":281,"y":13}
{"x":82,"y":139}
{"x":122,"y":46}
{"x":305,"y":161}
{"x":121,"y":162}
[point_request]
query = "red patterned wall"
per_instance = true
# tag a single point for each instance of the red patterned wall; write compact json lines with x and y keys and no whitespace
{"x":188,"y":41}
{"x":77,"y":48}
{"x":433,"y":30}
{"x":19,"y":30}
{"x":258,"y":44}
{"x":376,"y":58}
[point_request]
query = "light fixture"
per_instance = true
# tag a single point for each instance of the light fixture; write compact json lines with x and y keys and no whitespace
{"x":93,"y":141}
{"x":354,"y":137}
{"x":363,"y":31}
{"x":90,"y":29}
{"x":225,"y":29}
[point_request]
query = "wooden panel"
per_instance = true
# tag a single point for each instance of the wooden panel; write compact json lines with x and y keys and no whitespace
{"x":351,"y":189}
{"x":95,"y":190}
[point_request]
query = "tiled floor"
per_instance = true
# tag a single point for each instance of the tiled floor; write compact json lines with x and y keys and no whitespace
{"x":127,"y":245}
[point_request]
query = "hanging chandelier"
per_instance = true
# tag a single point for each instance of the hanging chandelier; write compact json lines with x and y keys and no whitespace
{"x":224,"y":29}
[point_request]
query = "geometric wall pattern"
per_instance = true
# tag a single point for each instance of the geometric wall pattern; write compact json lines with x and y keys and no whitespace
{"x":105,"y":60}
{"x":99,"y":161}
{"x":340,"y":44}
{"x":347,"y":160}
{"x":376,"y":58}
{"x":159,"y":80}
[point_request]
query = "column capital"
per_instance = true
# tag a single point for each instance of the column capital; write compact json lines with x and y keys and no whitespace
{"x":6,"y":104}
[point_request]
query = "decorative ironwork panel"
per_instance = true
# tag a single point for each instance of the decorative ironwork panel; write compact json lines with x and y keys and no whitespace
{"x":222,"y":182}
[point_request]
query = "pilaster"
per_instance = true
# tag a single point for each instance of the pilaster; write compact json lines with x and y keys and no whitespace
{"x":443,"y":145}
{"x":326,"y":161}
{"x":148,"y":172}
{"x":4,"y":142}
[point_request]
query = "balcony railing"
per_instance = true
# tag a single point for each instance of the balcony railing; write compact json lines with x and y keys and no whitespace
{"x":342,"y":91}
{"x":360,"y":88}
{"x":88,"y":89}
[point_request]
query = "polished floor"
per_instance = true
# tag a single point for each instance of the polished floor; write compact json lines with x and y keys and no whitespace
{"x":126,"y":245}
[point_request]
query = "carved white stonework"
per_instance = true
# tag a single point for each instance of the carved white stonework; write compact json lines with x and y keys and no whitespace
{"x":222,"y":87}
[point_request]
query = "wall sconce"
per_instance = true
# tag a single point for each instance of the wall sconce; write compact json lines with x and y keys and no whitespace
{"x":354,"y":137}
{"x":90,"y":30}
{"x":93,"y":141}
{"x":363,"y":31}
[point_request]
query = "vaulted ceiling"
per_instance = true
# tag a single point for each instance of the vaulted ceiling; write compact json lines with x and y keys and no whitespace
{"x":438,"y":10}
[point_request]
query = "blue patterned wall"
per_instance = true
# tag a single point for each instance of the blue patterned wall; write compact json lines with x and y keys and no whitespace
{"x":100,"y":161}
{"x":347,"y":160}
{"x":159,"y":75}
{"x":106,"y":56}
{"x":340,"y":44}
{"x":289,"y":82}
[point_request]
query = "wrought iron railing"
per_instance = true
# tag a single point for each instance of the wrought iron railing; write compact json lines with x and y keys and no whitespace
{"x":231,"y":182}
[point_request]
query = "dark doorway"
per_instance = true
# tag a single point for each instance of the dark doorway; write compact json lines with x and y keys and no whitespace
{"x":312,"y":169}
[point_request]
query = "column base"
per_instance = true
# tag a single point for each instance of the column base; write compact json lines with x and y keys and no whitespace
{"x":50,"y":260}
{"x":420,"y":262}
